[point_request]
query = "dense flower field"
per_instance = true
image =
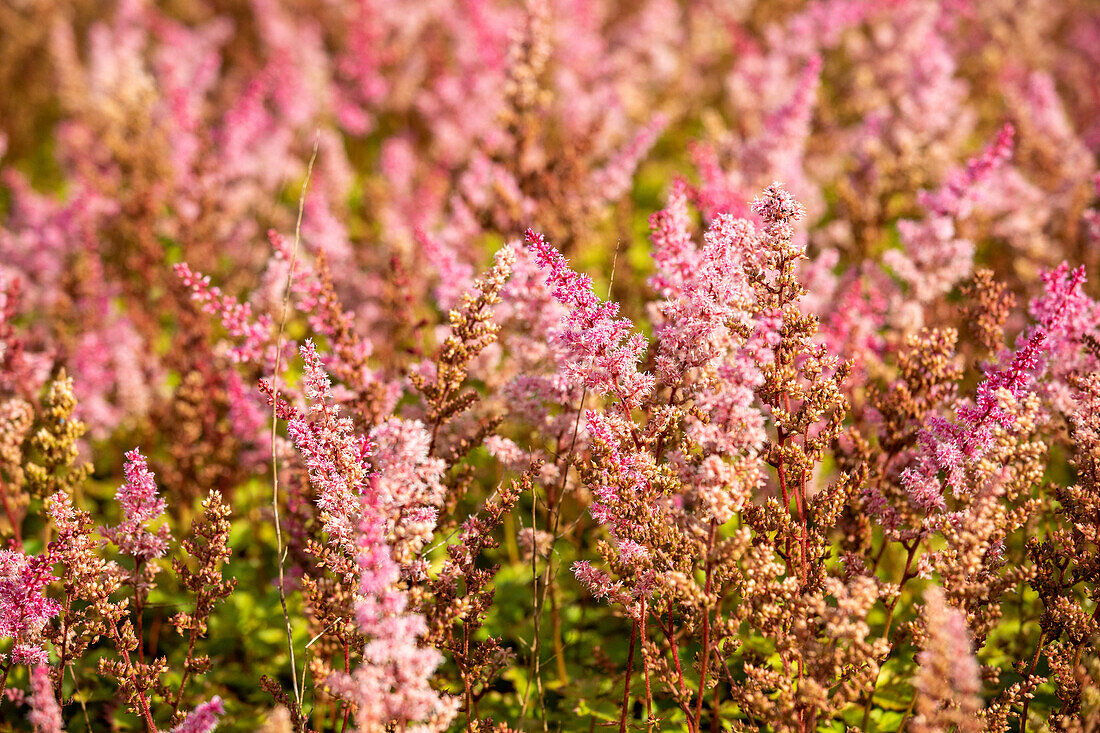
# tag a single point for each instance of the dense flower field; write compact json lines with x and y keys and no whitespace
{"x":567,"y":365}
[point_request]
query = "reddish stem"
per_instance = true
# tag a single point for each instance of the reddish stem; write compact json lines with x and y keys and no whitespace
{"x":804,"y":550}
{"x":672,"y":644}
{"x":645,"y":669}
{"x":676,"y":659}
{"x":626,"y":685}
{"x":347,"y":669}
{"x":145,"y":712}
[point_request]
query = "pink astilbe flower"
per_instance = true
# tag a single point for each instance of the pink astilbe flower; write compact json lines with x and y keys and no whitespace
{"x":24,"y":608}
{"x":203,"y":719}
{"x":599,"y":583}
{"x":712,"y":346}
{"x":962,"y":189}
{"x":671,"y":246}
{"x":1069,"y":315}
{"x":1065,"y":311}
{"x":706,"y":290}
{"x":953,"y":446}
{"x":624,"y":472}
{"x":612,"y":181}
{"x":45,"y":714}
{"x":693,"y":329}
{"x":407,"y":479}
{"x":602,"y":349}
{"x":140,"y":505}
{"x":948,"y":681}
{"x":934,"y":258}
{"x":530,"y":316}
{"x":335,"y":456}
{"x":237,"y":318}
{"x":734,"y":423}
{"x":392,"y":683}
{"x":777,"y":91}
{"x":780,"y":211}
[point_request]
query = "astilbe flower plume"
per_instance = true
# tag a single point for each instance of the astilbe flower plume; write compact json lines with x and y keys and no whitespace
{"x":1071,"y":318}
{"x":209,"y":546}
{"x":25,"y":609}
{"x":935,"y":257}
{"x":702,"y":356}
{"x":204,"y":718}
{"x":472,"y":331}
{"x":334,"y":456}
{"x":671,"y":247}
{"x":45,"y":713}
{"x":952,"y":446}
{"x":254,"y":333}
{"x":948,"y":682}
{"x":55,"y":444}
{"x":407,"y":481}
{"x":804,"y":480}
{"x":602,"y":348}
{"x":665,"y":488}
{"x":140,"y":505}
{"x":692,"y":330}
{"x":391,"y":684}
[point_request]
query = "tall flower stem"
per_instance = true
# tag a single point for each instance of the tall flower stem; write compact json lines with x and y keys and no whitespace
{"x":645,"y":671}
{"x":1031,"y":670}
{"x":280,"y":552}
{"x":626,"y":684}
